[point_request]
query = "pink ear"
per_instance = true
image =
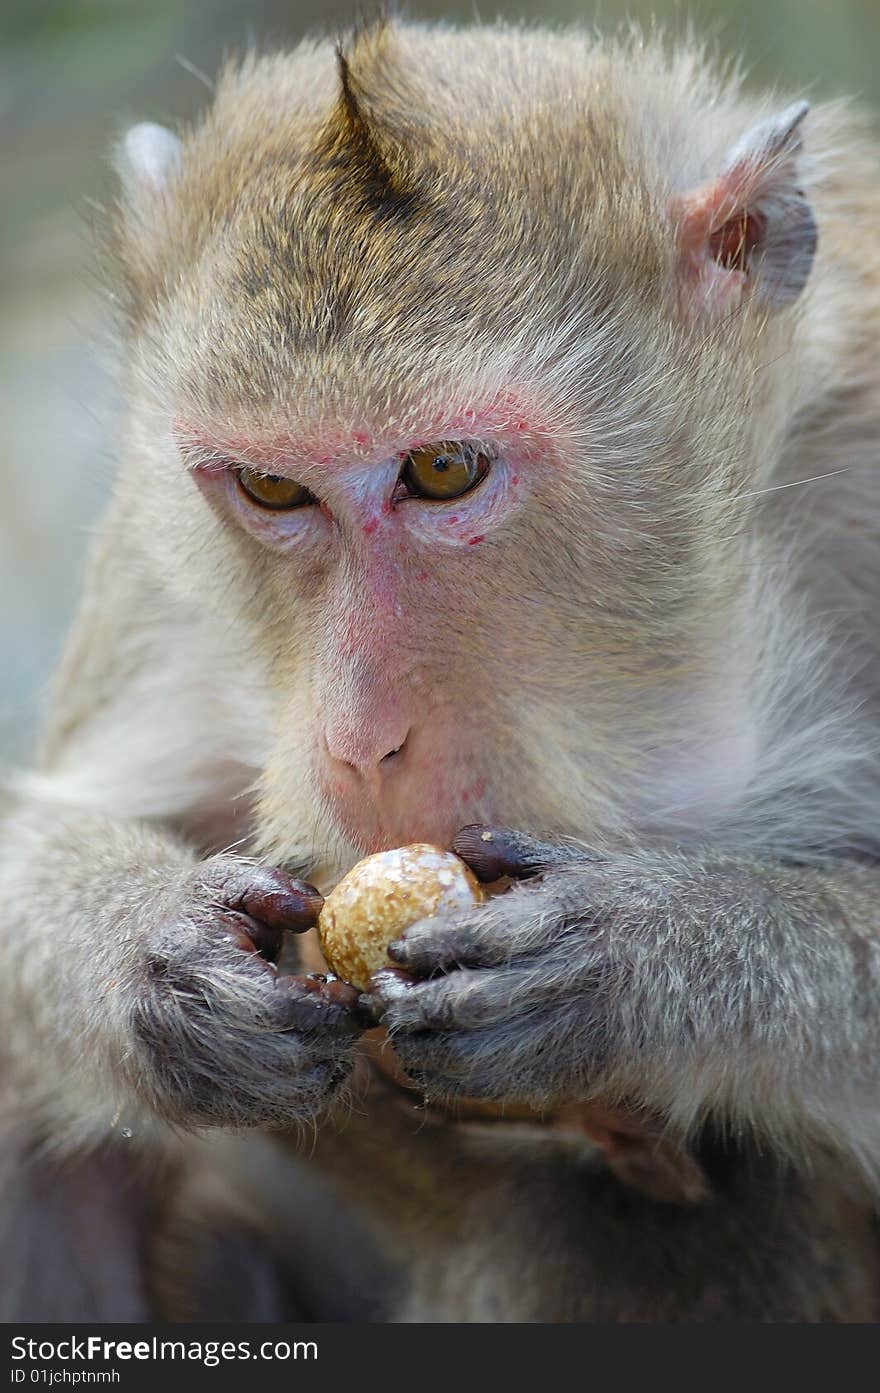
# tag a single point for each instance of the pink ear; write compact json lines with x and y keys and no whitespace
{"x":751,"y":229}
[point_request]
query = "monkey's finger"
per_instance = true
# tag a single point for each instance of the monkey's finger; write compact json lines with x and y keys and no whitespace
{"x":271,"y":896}
{"x":435,"y":945}
{"x":471,"y":999}
{"x":371,"y":1005}
{"x":281,"y":901}
{"x":312,"y":1003}
{"x":528,"y":918}
{"x":495,"y":852}
{"x":370,"y":1009}
{"x":253,"y":937}
{"x":527,"y":1060}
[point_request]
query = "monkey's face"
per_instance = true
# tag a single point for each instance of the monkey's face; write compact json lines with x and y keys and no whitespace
{"x":417,"y":659}
{"x":458,"y":624}
{"x":459,"y":412}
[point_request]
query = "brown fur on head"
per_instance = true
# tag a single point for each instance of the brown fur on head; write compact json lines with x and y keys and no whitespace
{"x":523,"y":241}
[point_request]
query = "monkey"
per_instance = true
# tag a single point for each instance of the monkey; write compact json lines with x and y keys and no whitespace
{"x":497,"y":469}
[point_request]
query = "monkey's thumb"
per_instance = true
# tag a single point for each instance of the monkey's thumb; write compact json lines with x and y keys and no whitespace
{"x":495,"y":852}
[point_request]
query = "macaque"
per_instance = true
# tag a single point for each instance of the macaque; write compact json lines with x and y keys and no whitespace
{"x":499,"y":451}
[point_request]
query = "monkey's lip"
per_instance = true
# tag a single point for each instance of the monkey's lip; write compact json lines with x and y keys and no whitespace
{"x":408,"y":831}
{"x":370,"y":829}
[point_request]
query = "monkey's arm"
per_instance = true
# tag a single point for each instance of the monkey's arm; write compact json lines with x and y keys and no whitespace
{"x":129,"y":988}
{"x":688,"y":982}
{"x":131,"y":985}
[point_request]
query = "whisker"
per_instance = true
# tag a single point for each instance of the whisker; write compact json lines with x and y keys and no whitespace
{"x":795,"y":483}
{"x":195,"y":72}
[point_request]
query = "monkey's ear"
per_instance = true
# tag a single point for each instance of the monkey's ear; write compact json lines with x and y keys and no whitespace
{"x":751,"y":229}
{"x":147,"y":158}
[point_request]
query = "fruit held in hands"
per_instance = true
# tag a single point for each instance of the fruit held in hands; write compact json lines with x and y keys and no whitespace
{"x":381,"y":896}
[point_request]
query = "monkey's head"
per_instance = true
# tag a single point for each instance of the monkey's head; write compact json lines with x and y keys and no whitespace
{"x":455,"y":360}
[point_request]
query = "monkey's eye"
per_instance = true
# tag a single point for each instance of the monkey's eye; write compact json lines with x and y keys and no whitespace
{"x":273,"y":490}
{"x":445,"y":470}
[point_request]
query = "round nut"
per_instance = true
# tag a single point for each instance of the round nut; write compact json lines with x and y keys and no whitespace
{"x":381,"y":896}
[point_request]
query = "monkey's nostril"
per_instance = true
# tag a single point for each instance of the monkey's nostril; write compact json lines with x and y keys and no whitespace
{"x":360,"y":755}
{"x":393,"y":756}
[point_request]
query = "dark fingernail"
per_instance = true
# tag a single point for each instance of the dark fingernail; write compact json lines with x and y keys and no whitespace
{"x":300,"y":906}
{"x":314,"y":1005}
{"x":309,"y":894}
{"x":398,"y":951}
{"x":341,"y":993}
{"x":288,"y":904}
{"x":494,"y":852}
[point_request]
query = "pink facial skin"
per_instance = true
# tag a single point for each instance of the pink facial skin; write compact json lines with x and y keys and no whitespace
{"x":327,"y":444}
{"x":360,"y":497}
{"x":387,"y":563}
{"x":376,"y":820}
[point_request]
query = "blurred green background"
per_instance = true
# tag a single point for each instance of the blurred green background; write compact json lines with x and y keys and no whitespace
{"x":73,"y":73}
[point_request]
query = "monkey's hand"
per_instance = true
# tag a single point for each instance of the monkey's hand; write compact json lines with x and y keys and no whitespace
{"x":533,"y":996}
{"x":222,"y":1038}
{"x":681,"y":981}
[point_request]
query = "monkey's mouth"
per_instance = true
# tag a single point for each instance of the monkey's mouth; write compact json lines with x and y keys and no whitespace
{"x":417,"y":814}
{"x":423,"y":788}
{"x":371,"y":831}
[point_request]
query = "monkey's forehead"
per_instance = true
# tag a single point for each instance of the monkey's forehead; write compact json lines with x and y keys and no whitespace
{"x":417,"y":151}
{"x":423,"y":199}
{"x":419,"y":145}
{"x":498,"y":102}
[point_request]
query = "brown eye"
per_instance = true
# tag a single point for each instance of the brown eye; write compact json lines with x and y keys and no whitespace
{"x":444,"y":471}
{"x":273,"y":490}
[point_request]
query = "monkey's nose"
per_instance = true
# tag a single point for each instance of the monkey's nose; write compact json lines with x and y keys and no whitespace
{"x":370,"y":755}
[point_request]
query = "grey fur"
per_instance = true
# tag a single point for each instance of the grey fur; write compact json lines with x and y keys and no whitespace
{"x":658,"y":656}
{"x":650,"y":973}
